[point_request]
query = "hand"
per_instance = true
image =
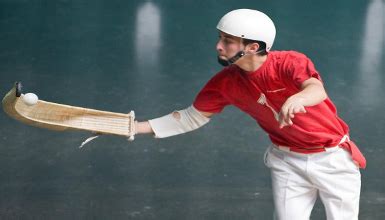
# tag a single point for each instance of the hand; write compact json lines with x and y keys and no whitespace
{"x":292,"y":106}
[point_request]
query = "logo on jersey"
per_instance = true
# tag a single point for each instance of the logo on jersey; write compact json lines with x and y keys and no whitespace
{"x":276,"y":90}
{"x":263,"y":101}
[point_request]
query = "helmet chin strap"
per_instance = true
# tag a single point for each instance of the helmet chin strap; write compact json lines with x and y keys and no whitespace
{"x":233,"y":59}
{"x":236,"y":57}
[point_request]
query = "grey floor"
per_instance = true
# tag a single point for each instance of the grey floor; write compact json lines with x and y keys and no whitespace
{"x":153,"y":57}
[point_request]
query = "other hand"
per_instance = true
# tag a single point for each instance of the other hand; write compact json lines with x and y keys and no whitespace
{"x":292,"y":106}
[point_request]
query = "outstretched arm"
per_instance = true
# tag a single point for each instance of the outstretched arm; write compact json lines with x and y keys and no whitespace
{"x":176,"y":120}
{"x":312,"y":93}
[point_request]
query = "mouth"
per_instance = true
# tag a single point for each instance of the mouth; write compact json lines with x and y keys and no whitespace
{"x":223,"y":60}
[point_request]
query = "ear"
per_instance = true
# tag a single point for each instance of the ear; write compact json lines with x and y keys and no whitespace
{"x":253,"y":47}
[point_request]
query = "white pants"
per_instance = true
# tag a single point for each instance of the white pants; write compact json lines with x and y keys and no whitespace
{"x":297,"y":179}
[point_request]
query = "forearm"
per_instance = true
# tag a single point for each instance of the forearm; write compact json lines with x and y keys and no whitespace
{"x":177,"y":122}
{"x":311,"y":94}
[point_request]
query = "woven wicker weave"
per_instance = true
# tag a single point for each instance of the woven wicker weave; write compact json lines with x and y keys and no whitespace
{"x":60,"y":117}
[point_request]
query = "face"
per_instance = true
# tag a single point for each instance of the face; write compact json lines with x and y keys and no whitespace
{"x":228,"y":46}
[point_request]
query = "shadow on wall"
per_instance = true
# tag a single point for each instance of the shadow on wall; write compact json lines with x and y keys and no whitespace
{"x":147,"y":37}
{"x":372,"y":55}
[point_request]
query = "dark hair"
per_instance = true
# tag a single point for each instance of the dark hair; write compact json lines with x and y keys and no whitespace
{"x":262,"y":45}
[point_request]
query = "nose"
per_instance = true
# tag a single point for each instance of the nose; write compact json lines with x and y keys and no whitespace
{"x":219,"y":46}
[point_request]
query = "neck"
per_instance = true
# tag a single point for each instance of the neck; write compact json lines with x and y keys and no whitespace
{"x":251,"y":63}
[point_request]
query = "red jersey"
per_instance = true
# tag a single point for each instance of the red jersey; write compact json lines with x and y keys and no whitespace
{"x":262,"y":93}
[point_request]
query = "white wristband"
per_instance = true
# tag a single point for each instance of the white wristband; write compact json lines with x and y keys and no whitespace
{"x":169,"y":125}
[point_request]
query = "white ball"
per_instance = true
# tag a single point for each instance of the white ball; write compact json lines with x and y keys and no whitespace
{"x":30,"y":98}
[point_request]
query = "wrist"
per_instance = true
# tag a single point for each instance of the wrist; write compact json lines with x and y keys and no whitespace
{"x":143,"y":127}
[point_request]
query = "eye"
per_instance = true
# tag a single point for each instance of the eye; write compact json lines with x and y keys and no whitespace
{"x":227,"y":41}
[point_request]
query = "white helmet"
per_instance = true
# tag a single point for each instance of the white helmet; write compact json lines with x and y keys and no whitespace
{"x":249,"y":24}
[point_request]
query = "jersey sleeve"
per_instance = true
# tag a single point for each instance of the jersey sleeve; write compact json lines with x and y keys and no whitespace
{"x":211,"y":98}
{"x":300,"y":68}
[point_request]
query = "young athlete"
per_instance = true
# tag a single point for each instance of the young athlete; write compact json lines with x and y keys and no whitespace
{"x":311,"y":152}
